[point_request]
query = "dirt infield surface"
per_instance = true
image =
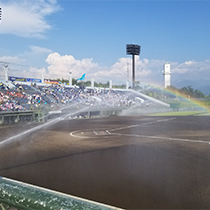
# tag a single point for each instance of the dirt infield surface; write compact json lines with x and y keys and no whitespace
{"x":128,"y":162}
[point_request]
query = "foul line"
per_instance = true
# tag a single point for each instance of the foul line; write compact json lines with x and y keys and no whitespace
{"x":134,"y":135}
{"x":114,"y":129}
{"x":162,"y":138}
{"x":82,"y":132}
{"x":148,"y":123}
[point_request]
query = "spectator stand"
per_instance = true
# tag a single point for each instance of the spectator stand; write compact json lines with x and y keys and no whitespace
{"x":37,"y":102}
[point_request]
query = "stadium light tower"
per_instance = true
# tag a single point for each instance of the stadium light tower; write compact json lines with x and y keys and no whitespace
{"x":0,"y":14}
{"x":133,"y":49}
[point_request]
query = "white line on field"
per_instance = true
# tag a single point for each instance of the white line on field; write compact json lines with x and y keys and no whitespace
{"x":147,"y":123}
{"x":82,"y":133}
{"x":162,"y":138}
{"x":76,"y":136}
{"x":108,"y":132}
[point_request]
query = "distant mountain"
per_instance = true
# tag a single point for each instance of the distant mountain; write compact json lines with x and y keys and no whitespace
{"x":205,"y":90}
{"x":201,"y":84}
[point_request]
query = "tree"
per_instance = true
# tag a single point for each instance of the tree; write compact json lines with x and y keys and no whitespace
{"x":198,"y":94}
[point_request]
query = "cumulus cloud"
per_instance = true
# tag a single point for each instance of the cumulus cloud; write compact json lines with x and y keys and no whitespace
{"x":26,"y":18}
{"x":147,"y":71}
{"x":121,"y":70}
{"x":21,"y":65}
{"x":61,"y":65}
{"x":191,"y":69}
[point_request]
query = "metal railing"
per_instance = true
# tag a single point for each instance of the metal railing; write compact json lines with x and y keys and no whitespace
{"x":24,"y":196}
{"x":17,"y":116}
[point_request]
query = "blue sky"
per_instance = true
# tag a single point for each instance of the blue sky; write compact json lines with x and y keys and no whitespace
{"x":84,"y":36}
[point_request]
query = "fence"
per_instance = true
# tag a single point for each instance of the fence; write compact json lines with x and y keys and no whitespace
{"x":23,"y":196}
{"x":17,"y":116}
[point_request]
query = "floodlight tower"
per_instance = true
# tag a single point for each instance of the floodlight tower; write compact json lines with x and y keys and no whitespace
{"x":133,"y":49}
{"x":0,"y":14}
{"x":128,"y":75}
{"x":167,"y":74}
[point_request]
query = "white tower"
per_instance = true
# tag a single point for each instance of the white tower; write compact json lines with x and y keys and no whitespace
{"x":5,"y":72}
{"x":167,"y":74}
{"x":70,"y":78}
{"x":92,"y":82}
{"x":110,"y":84}
{"x":42,"y":75}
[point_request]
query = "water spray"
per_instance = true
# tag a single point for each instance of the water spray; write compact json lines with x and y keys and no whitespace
{"x":54,"y":121}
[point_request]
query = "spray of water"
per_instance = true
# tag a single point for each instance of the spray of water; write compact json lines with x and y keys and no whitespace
{"x":100,"y":102}
{"x":58,"y":110}
{"x":54,"y":121}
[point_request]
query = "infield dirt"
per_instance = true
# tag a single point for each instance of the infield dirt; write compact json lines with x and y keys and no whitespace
{"x":129,"y":162}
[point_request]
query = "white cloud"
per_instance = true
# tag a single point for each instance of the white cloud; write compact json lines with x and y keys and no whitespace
{"x":121,"y":70}
{"x":26,"y":18}
{"x":18,"y":66}
{"x":35,"y":72}
{"x":30,"y":72}
{"x":11,"y":59}
{"x":35,"y":56}
{"x":188,"y":63}
{"x":191,"y":70}
{"x":35,"y":53}
{"x":60,"y":66}
{"x":8,"y":59}
{"x":39,"y":50}
{"x":147,"y":71}
{"x":183,"y":67}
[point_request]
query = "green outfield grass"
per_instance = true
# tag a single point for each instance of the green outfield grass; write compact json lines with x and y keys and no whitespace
{"x":184,"y":113}
{"x":184,"y":104}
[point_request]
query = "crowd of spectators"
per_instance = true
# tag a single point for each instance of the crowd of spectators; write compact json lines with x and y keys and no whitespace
{"x":8,"y":101}
{"x":21,"y":97}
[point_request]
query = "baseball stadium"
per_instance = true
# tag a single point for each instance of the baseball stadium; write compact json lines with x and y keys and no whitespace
{"x":65,"y":147}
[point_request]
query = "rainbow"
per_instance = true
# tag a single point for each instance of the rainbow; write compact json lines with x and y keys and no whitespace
{"x":186,"y":98}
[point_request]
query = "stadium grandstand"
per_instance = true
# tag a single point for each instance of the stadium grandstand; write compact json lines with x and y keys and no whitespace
{"x":25,"y":96}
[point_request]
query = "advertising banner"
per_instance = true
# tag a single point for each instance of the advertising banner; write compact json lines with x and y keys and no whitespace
{"x":34,"y":80}
{"x":49,"y":81}
{"x":21,"y":79}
